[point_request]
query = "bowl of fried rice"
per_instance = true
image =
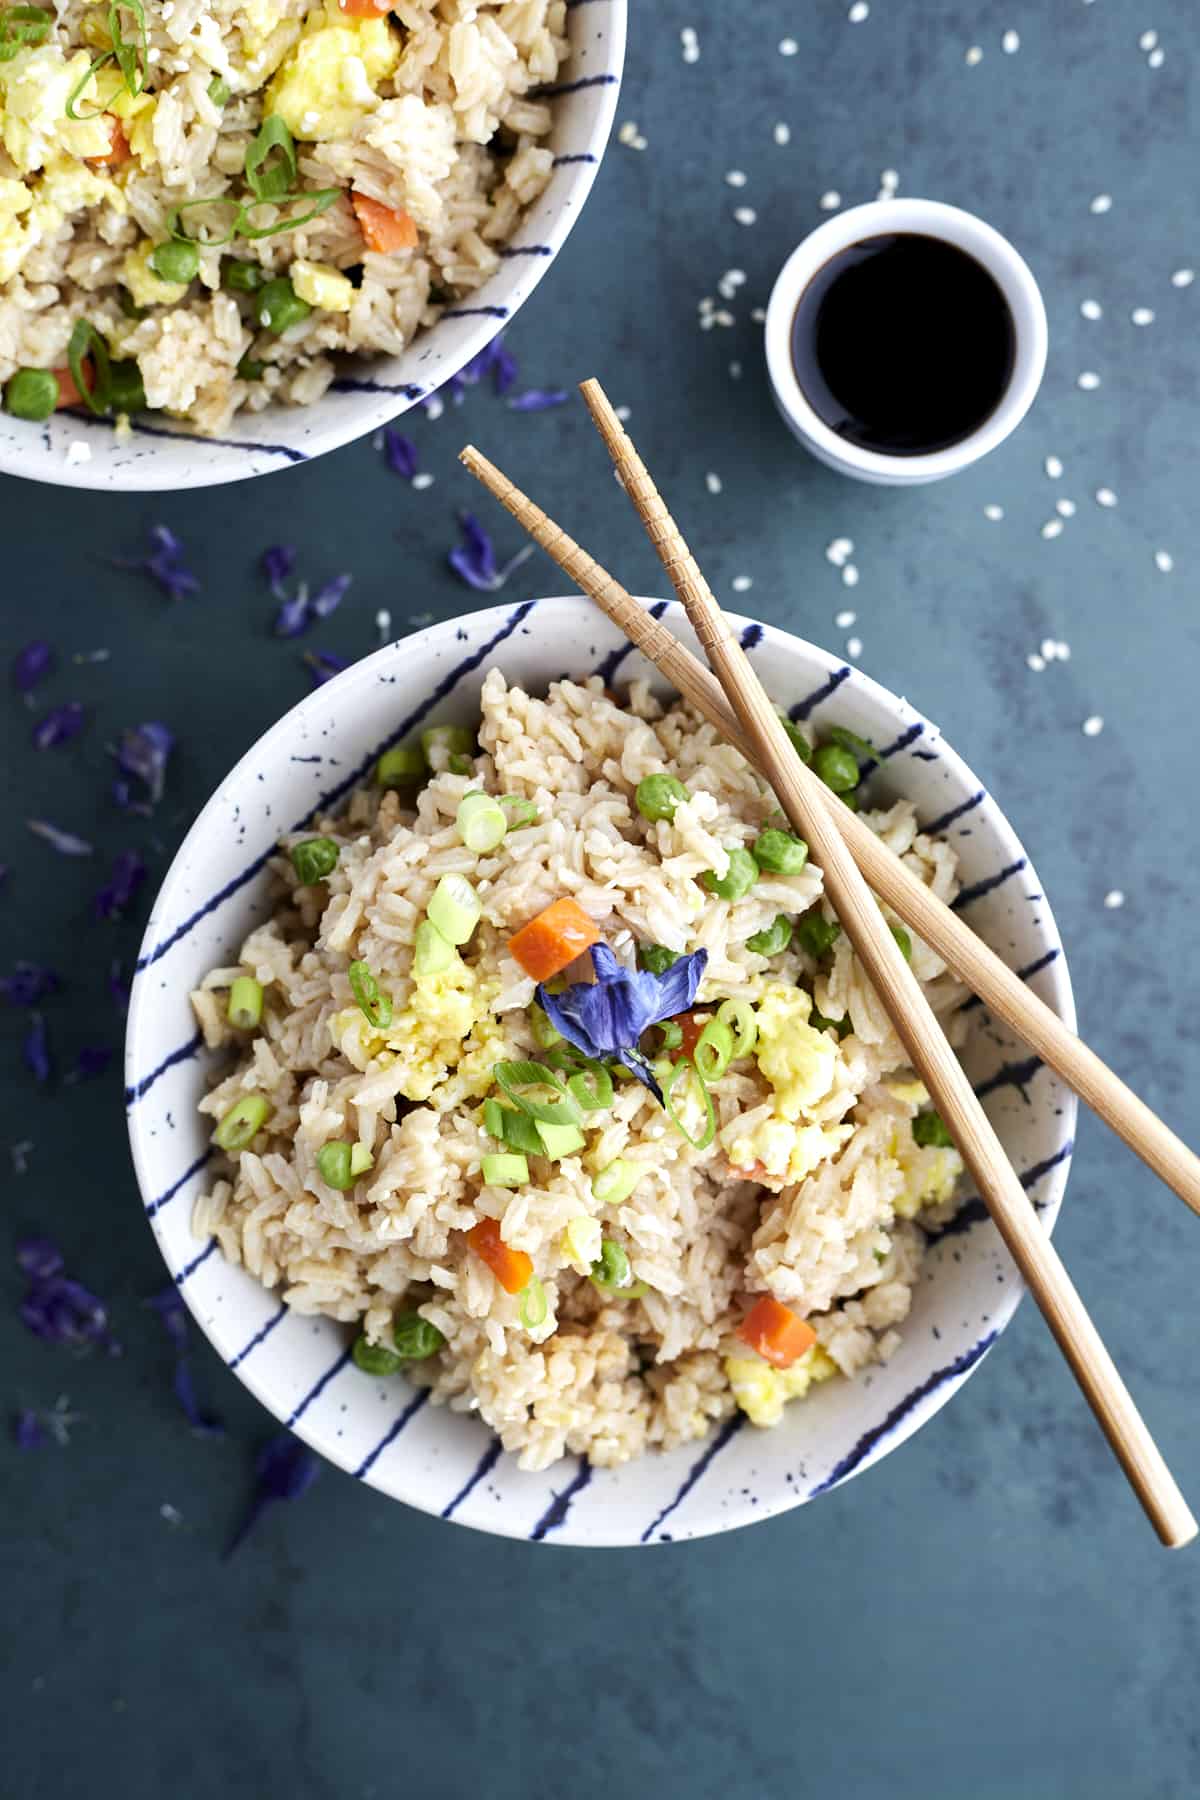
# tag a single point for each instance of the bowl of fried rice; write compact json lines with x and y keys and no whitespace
{"x":235,"y":236}
{"x":515,"y":1117}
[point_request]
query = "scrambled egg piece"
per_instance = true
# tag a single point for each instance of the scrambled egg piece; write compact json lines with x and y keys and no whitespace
{"x":762,"y":1391}
{"x":931,"y":1173}
{"x":19,"y":234}
{"x":322,"y":286}
{"x":145,"y":287}
{"x":331,"y":77}
{"x":581,"y":1242}
{"x":797,"y":1060}
{"x":777,"y":1152}
{"x":29,"y":210}
{"x":34,"y":89}
{"x":446,"y":1025}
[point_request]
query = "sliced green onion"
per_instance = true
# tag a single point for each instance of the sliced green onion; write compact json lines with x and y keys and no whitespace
{"x":904,"y":941}
{"x":431,"y":952}
{"x":455,"y":908}
{"x":616,"y":1182}
{"x":278,"y":306}
{"x":512,"y":1127}
{"x":97,"y":62}
{"x":376,"y":1008}
{"x":333,"y":1165}
{"x":85,"y":340}
{"x":670,"y":1034}
{"x":714,"y":1051}
{"x":271,"y":161}
{"x":242,"y":1123}
{"x":657,"y":796}
{"x":314,"y":859}
{"x":416,"y":1338}
{"x":244,"y":1009}
{"x":321,"y":201}
{"x":361,"y":1159}
{"x":559,"y":1140}
{"x":23,"y":25}
{"x":401,"y":766}
{"x":375,"y":1359}
{"x":453,"y":739}
{"x":684,"y":1066}
{"x":592,"y":1087}
{"x":660,"y":1069}
{"x":773,"y":938}
{"x":738,"y":878}
{"x":126,"y":391}
{"x":656,"y":957}
{"x":534,"y":1306}
{"x":218,"y":91}
{"x":175,"y":260}
{"x":929,"y":1131}
{"x":544,"y":1034}
{"x":515,"y":1077}
{"x":481,"y":822}
{"x":612,"y":1275}
{"x":250,"y":369}
{"x":505,"y":1169}
{"x":738,"y":1016}
{"x":131,"y":58}
{"x":796,"y":738}
{"x":175,"y":220}
{"x":816,"y":934}
{"x":779,"y":851}
{"x":518,"y":811}
{"x":861,"y":748}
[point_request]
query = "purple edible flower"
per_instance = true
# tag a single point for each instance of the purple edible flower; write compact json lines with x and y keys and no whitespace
{"x":30,"y":665}
{"x":607,"y":1017}
{"x":164,"y":565}
{"x":28,"y":983}
{"x":504,"y":368}
{"x":35,"y":1050}
{"x":59,"y":726}
{"x":55,"y":1308}
{"x":65,"y":842}
{"x":276,"y":563}
{"x":399,"y":452}
{"x":292,"y":617}
{"x":323,"y":665}
{"x":118,"y":987}
{"x":538,"y":400}
{"x":285,"y":1470}
{"x":474,"y":560}
{"x":168,"y":1304}
{"x":327,"y":599}
{"x":39,"y":1257}
{"x":127,"y":876}
{"x":27,"y":1429}
{"x":142,"y":753}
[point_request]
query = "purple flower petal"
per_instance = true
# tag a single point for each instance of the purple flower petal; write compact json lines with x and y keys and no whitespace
{"x":54,"y":1307}
{"x":59,"y":726}
{"x":27,"y":1430}
{"x":142,"y":753}
{"x":292,"y":618}
{"x":504,"y":368}
{"x":65,"y":842}
{"x":607,"y":1017}
{"x":118,"y":987}
{"x":31,"y":665}
{"x":168,"y":1304}
{"x":116,"y":896}
{"x":474,"y":560}
{"x":285,"y":1470}
{"x":399,"y":452}
{"x":276,"y":563}
{"x":28,"y":983}
{"x":538,"y":400}
{"x":165,"y":566}
{"x":38,"y":1256}
{"x":204,"y":1424}
{"x":327,"y":599}
{"x":323,"y":665}
{"x":35,"y":1051}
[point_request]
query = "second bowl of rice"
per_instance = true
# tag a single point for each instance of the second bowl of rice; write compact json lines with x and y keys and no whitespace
{"x":518,"y":1123}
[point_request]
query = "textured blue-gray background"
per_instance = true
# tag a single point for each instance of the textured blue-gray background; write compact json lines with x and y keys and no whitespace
{"x":986,"y":1613}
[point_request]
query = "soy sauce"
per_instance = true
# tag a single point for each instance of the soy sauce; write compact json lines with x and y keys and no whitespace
{"x":903,"y":344}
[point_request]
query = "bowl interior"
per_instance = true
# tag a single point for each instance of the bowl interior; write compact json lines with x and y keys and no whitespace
{"x":73,"y":449}
{"x":384,"y":1432}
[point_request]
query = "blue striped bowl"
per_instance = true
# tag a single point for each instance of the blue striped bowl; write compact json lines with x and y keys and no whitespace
{"x":385,"y":1432}
{"x":162,"y":454}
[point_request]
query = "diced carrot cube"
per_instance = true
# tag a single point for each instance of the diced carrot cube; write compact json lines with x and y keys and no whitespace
{"x":776,"y":1332}
{"x":512,"y":1268}
{"x":384,"y":228}
{"x":553,"y":939}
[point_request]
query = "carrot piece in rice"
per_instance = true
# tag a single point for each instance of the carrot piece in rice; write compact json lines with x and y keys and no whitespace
{"x":553,"y":939}
{"x":384,"y":228}
{"x":512,"y":1268}
{"x":776,"y":1333}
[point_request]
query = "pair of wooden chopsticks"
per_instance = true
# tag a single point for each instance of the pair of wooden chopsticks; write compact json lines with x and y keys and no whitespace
{"x":842,"y":846}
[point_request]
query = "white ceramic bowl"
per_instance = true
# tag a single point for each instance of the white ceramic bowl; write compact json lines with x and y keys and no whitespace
{"x":162,"y":454}
{"x":385,"y":1432}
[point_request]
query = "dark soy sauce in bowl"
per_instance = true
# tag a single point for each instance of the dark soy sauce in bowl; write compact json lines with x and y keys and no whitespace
{"x":903,"y":344}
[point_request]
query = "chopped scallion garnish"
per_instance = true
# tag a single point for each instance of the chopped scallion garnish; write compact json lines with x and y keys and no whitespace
{"x":242,"y":1123}
{"x":481,"y":823}
{"x":516,"y":1078}
{"x":559,"y":1140}
{"x":244,"y":1010}
{"x":687,"y":1068}
{"x":376,"y":1008}
{"x":534,"y":1306}
{"x":714,"y":1051}
{"x":455,"y":908}
{"x":616,"y":1182}
{"x":505,"y":1169}
{"x":738,"y":1015}
{"x":519,"y":812}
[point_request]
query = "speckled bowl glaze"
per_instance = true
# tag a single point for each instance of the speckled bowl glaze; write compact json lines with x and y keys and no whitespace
{"x":162,"y":454}
{"x":384,"y":1432}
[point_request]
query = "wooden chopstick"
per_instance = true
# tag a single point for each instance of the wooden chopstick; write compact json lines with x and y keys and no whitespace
{"x":797,"y":789}
{"x":967,"y":955}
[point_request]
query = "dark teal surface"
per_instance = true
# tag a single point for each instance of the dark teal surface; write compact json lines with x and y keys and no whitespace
{"x":986,"y":1614}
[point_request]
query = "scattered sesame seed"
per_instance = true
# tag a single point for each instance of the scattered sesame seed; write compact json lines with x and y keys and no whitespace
{"x":1113,"y":899}
{"x":1052,"y":528}
{"x":839,"y":551}
{"x":171,"y":1514}
{"x":854,"y":648}
{"x":1102,"y":203}
{"x":850,"y":575}
{"x":1010,"y":43}
{"x":690,"y":44}
{"x":1147,"y":40}
{"x":1183,"y":278}
{"x":741,"y":584}
{"x":1053,"y":468}
{"x":745,"y":215}
{"x":1091,"y":309}
{"x":788,"y":46}
{"x":1065,"y":508}
{"x":422,"y":481}
{"x":1142,"y":315}
{"x":1105,"y":497}
{"x":973,"y":57}
{"x":830,"y":201}
{"x":844,"y":620}
{"x":1092,"y":726}
{"x":782,"y":133}
{"x":1164,"y":562}
{"x":735,"y":177}
{"x":1156,"y":59}
{"x":993,"y":512}
{"x":1035,"y":662}
{"x":712,"y":482}
{"x":1089,"y":380}
{"x":858,"y":12}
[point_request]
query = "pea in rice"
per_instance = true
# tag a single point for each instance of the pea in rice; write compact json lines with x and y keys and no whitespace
{"x":643,"y":1250}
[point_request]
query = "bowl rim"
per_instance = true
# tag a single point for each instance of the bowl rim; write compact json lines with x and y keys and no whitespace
{"x":380,"y":404}
{"x":920,"y":1406}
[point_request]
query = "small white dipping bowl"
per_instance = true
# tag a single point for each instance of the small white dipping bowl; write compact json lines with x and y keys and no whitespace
{"x":74,"y":450}
{"x":928,"y":218}
{"x":385,"y":1432}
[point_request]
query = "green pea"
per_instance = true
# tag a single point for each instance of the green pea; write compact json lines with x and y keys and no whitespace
{"x":658,"y":795}
{"x":279,"y":306}
{"x":737,"y":880}
{"x":126,"y":391}
{"x":175,"y":261}
{"x":837,"y":768}
{"x":816,"y":934}
{"x":401,"y":766}
{"x":780,"y":852}
{"x":850,"y":800}
{"x":31,"y":394}
{"x":861,"y":748}
{"x":773,"y":938}
{"x":314,"y":859}
{"x":218,"y":91}
{"x":250,"y":369}
{"x":375,"y":1359}
{"x":334,"y":1164}
{"x":242,"y":277}
{"x":929,"y":1132}
{"x":415,"y":1337}
{"x":656,"y":957}
{"x":904,"y":941}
